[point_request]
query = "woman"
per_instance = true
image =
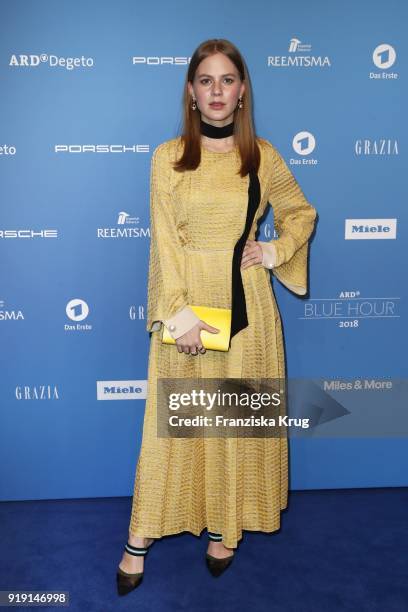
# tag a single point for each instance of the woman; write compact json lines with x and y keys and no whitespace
{"x":209,"y":187}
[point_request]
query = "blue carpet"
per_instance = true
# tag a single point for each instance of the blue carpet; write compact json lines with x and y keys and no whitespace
{"x":343,"y":549}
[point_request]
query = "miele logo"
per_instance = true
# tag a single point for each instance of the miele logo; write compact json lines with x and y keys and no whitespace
{"x":160,"y":60}
{"x":69,"y":63}
{"x":376,"y":147}
{"x":121,"y":389}
{"x":130,"y":228}
{"x":29,"y":233}
{"x":370,"y":229}
{"x":297,"y":48}
{"x":40,"y":392}
{"x":99,"y":148}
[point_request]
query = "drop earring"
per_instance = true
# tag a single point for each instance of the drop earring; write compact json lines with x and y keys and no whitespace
{"x":240,"y":105}
{"x":194,"y":105}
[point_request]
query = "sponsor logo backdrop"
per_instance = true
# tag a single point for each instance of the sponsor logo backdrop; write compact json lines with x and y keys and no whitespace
{"x":88,"y":91}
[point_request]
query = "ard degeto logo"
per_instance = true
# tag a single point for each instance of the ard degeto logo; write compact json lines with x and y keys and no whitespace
{"x":34,"y":60}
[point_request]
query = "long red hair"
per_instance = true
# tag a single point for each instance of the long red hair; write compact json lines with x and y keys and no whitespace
{"x":244,"y":131}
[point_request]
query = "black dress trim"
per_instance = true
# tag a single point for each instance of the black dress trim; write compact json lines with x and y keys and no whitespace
{"x":239,"y":318}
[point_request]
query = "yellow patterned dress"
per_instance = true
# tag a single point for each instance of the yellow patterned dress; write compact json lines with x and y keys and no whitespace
{"x":231,"y":484}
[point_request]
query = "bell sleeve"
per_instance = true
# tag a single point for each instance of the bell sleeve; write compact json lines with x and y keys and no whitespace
{"x":167,"y":293}
{"x":294,"y":219}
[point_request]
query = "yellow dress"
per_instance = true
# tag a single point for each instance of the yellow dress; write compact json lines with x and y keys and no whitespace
{"x":226,"y":485}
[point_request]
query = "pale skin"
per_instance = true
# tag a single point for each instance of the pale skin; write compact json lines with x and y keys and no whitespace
{"x":216,"y":79}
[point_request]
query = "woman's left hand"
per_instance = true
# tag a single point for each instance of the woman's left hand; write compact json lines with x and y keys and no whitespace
{"x":252,"y":254}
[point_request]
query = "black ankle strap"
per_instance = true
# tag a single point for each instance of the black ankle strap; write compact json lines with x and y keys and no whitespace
{"x":135,"y":550}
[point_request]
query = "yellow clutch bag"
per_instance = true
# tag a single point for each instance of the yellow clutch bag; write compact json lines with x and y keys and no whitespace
{"x":217,"y":317}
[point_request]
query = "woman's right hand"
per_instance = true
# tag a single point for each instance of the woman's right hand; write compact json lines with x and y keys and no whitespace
{"x":190,"y":342}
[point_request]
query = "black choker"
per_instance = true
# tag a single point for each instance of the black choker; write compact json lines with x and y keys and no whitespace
{"x":213,"y":131}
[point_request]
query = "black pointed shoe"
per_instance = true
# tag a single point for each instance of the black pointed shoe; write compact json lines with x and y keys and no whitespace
{"x":127,"y":582}
{"x":218,"y":566}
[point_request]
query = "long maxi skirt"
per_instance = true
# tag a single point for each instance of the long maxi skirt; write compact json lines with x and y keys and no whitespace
{"x":224,"y":485}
